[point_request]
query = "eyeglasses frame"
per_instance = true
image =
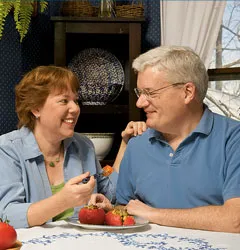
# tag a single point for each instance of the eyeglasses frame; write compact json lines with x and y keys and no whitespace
{"x":148,"y":94}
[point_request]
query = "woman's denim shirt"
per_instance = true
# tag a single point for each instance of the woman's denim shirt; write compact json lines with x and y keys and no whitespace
{"x":24,"y":178}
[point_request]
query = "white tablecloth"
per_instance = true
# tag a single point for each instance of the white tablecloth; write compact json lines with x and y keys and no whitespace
{"x":61,"y":235}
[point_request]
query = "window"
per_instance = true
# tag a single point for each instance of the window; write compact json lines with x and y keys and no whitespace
{"x":223,"y":95}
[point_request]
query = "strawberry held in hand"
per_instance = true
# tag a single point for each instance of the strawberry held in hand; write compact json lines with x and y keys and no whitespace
{"x":8,"y":235}
{"x":107,"y":170}
{"x":119,"y":217}
{"x":91,"y":215}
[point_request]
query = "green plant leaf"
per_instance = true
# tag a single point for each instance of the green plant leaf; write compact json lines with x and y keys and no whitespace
{"x":43,"y":5}
{"x":25,"y":15}
{"x":22,"y":13}
{"x":5,"y":7}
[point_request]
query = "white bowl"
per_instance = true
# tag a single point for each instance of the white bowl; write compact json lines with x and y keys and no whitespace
{"x":102,"y":143}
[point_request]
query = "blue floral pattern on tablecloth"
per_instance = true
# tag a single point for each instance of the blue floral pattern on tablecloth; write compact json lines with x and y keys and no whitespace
{"x":154,"y":241}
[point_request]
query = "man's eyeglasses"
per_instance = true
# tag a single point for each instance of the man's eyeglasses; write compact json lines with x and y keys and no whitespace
{"x":149,"y":94}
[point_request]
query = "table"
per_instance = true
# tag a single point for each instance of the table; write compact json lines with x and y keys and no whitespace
{"x":60,"y":235}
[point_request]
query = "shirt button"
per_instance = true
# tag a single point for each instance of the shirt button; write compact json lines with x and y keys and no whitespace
{"x":171,"y":154}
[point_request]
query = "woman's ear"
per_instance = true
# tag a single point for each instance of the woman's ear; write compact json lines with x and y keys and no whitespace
{"x":189,"y":91}
{"x":36,"y":113}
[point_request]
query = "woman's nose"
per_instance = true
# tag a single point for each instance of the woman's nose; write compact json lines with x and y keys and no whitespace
{"x":74,"y":107}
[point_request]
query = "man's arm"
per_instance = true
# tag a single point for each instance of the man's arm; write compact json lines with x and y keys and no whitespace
{"x":225,"y":218}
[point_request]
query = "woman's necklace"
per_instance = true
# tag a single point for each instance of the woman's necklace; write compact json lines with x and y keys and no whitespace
{"x":54,"y":162}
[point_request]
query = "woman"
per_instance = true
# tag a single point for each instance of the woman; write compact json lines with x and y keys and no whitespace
{"x":43,"y":163}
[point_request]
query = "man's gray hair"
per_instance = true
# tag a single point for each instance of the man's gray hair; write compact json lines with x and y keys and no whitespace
{"x":181,"y":64}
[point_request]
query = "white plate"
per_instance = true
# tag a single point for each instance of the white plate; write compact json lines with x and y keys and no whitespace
{"x":140,"y":222}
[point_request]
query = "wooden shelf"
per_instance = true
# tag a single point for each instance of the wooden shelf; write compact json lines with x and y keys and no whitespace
{"x":122,"y":36}
{"x":106,"y":162}
{"x":64,"y":26}
{"x":98,"y":19}
{"x":105,"y":109}
{"x":223,"y":74}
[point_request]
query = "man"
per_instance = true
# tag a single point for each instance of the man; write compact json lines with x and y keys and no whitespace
{"x":184,"y":171}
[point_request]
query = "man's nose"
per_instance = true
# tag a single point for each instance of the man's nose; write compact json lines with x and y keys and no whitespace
{"x":142,"y":101}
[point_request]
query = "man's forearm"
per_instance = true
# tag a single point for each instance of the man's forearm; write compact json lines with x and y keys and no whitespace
{"x":213,"y":218}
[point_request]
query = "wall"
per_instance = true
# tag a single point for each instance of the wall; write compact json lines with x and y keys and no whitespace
{"x":37,"y":49}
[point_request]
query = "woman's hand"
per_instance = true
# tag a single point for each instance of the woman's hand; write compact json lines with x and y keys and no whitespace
{"x":133,"y":129}
{"x":100,"y":201}
{"x":75,"y":193}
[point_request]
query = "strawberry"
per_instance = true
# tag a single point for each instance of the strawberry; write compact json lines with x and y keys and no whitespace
{"x":118,"y":217}
{"x":107,"y":170}
{"x":8,"y":235}
{"x":129,"y":221}
{"x":113,"y":219}
{"x":92,"y":215}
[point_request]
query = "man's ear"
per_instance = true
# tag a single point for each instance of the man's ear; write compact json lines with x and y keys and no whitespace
{"x":190,"y":92}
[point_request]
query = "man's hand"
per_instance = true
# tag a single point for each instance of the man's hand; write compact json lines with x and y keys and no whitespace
{"x":138,"y":208}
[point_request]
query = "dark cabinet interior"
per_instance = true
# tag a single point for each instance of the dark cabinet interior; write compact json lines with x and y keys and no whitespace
{"x":121,"y":37}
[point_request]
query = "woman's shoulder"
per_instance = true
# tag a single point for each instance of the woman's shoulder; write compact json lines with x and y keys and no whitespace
{"x":18,"y":140}
{"x":12,"y":137}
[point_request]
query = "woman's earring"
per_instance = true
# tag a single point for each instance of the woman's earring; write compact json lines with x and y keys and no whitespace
{"x":37,"y":116}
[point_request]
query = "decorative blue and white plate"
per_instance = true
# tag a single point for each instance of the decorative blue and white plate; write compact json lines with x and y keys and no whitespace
{"x":100,"y":74}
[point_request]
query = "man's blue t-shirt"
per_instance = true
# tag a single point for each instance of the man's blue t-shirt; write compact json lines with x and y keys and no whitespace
{"x":204,"y":169}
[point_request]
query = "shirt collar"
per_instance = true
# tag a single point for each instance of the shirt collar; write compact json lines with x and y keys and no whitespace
{"x":68,"y":142}
{"x":30,"y":145}
{"x":206,"y":123}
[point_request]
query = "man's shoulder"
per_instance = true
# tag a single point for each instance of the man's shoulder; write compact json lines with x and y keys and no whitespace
{"x":226,"y":122}
{"x":225,"y":118}
{"x":226,"y":129}
{"x":143,"y":139}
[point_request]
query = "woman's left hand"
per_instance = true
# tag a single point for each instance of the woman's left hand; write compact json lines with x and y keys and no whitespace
{"x":100,"y":201}
{"x":133,"y":129}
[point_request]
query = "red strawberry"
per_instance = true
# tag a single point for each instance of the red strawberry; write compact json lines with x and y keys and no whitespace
{"x":8,"y":235}
{"x":113,"y":219}
{"x":118,"y":217}
{"x":107,"y":170}
{"x":91,"y":215}
{"x":129,"y":221}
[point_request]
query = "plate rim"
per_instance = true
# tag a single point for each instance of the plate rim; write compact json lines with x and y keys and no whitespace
{"x":75,"y":222}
